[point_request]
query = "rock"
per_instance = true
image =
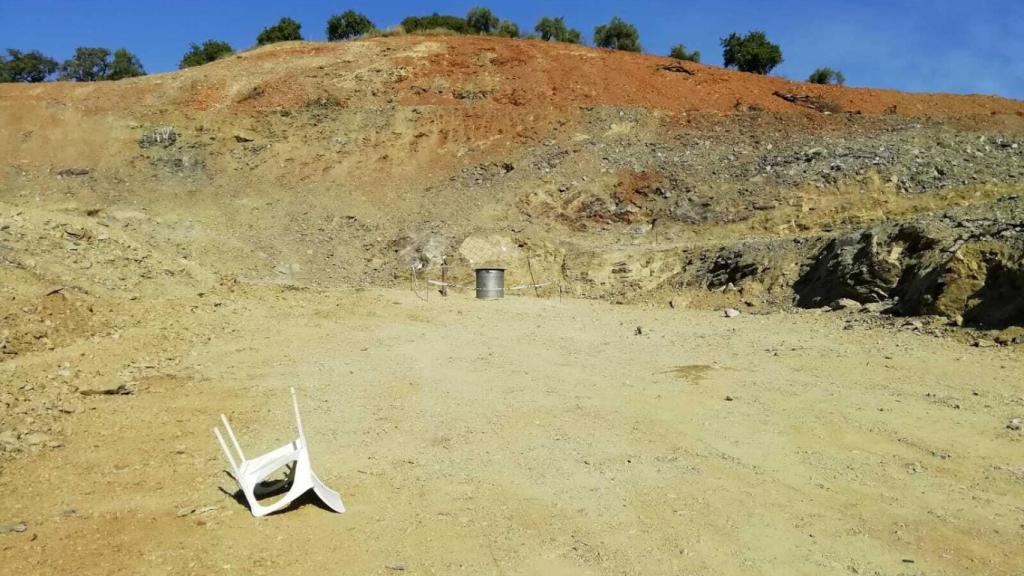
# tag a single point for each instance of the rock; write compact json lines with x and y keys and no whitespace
{"x":1015,"y":424}
{"x":729,"y":398}
{"x":399,"y":566}
{"x":119,"y":390}
{"x":983,"y":343}
{"x":731,"y":312}
{"x":16,"y":527}
{"x":9,"y":441}
{"x":875,"y":307}
{"x":73,"y":172}
{"x":1010,"y":336}
{"x":242,"y":137}
{"x":846,"y":304}
{"x":33,"y":439}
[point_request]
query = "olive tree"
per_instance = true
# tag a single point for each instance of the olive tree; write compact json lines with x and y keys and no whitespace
{"x":286,"y":29}
{"x":751,"y":53}
{"x":481,"y":20}
{"x":617,"y":34}
{"x":827,"y":76}
{"x":348,"y":24}
{"x":31,"y":66}
{"x":199,"y":54}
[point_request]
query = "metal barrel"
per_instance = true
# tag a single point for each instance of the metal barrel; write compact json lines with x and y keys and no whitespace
{"x":490,"y":283}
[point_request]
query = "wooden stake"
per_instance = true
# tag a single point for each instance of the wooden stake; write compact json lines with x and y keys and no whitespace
{"x":536,"y":290}
{"x":444,"y":276}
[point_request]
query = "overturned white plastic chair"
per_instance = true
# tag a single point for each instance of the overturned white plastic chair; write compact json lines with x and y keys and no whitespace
{"x":250,"y":474}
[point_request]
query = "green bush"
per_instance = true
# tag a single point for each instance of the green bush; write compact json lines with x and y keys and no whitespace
{"x":87,"y":65}
{"x":827,"y":76}
{"x":481,"y":20}
{"x":751,"y":53}
{"x":125,"y":65}
{"x":507,"y":28}
{"x":286,"y":29}
{"x":418,"y":24}
{"x":617,"y":34}
{"x":95,"y":64}
{"x":209,"y":51}
{"x":679,"y":53}
{"x":26,"y":66}
{"x":555,"y":29}
{"x":348,"y":24}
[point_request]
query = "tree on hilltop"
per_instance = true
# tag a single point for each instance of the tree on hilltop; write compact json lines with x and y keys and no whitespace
{"x":679,"y":52}
{"x":95,"y":64}
{"x":209,"y":51}
{"x":348,"y":24}
{"x":125,"y":65}
{"x":618,"y":35}
{"x":481,"y":20}
{"x":555,"y":29}
{"x":507,"y":28}
{"x":87,"y":65}
{"x":827,"y":76}
{"x":286,"y":29}
{"x":751,"y":53}
{"x":31,"y":66}
{"x":435,"y":21}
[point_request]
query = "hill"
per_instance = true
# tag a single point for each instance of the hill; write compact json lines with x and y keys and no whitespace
{"x":619,"y":175}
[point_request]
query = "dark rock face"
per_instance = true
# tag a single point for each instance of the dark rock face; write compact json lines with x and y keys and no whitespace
{"x":863,"y":267}
{"x":957,"y":265}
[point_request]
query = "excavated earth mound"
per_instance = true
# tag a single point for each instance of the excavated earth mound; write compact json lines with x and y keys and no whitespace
{"x":603,"y":174}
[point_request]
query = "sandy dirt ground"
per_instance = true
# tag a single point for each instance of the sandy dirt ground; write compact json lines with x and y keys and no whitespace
{"x":526,"y":436}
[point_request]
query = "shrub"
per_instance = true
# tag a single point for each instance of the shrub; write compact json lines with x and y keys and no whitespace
{"x":481,"y":20}
{"x":87,"y":65}
{"x":348,"y":24}
{"x":286,"y":29}
{"x":125,"y":65}
{"x":555,"y":29}
{"x":385,"y":33}
{"x":417,"y":24}
{"x":751,"y":53}
{"x":209,"y":51}
{"x":827,"y":76}
{"x":26,"y":66}
{"x":617,"y":34}
{"x":679,"y":53}
{"x":508,"y":29}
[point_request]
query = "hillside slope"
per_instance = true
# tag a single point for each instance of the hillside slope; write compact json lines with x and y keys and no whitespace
{"x":618,"y":175}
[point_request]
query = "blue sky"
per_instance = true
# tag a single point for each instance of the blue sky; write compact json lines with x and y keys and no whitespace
{"x":915,"y":45}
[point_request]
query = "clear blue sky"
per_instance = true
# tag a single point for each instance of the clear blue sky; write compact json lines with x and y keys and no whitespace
{"x":915,"y":45}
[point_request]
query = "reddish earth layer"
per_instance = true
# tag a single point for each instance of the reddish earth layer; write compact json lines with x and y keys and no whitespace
{"x":497,"y":74}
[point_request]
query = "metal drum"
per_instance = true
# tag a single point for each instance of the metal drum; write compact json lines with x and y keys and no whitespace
{"x":490,"y":283}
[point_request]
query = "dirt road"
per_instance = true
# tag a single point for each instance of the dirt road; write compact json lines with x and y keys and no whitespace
{"x":525,"y":436}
